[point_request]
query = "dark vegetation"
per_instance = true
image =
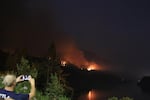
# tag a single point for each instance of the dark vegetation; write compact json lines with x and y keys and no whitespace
{"x":48,"y":72}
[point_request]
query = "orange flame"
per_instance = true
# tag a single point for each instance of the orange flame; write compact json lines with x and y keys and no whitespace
{"x":70,"y":53}
{"x":63,"y":63}
{"x":93,"y":66}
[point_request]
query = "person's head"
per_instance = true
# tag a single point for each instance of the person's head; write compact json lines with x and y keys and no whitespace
{"x":9,"y":80}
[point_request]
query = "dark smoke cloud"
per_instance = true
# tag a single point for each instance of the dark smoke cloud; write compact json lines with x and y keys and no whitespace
{"x":30,"y":24}
{"x":34,"y":25}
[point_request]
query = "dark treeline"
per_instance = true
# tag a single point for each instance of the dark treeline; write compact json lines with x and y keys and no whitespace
{"x":45,"y":66}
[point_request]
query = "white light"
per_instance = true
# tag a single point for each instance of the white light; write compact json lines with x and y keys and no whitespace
{"x":63,"y":63}
{"x":90,"y":68}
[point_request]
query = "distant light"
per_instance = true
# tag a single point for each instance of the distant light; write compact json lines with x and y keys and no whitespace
{"x":63,"y":63}
{"x":93,"y":66}
{"x":90,"y":68}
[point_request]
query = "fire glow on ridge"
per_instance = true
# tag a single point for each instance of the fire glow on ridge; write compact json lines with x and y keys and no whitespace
{"x":93,"y":66}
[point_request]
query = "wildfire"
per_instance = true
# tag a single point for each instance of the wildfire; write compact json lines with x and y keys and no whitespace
{"x":63,"y":63}
{"x":90,"y":68}
{"x":70,"y":52}
{"x":93,"y":66}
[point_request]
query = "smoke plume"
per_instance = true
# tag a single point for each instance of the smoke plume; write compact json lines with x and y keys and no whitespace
{"x":70,"y":52}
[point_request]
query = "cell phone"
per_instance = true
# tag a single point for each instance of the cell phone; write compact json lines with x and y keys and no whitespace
{"x":25,"y":77}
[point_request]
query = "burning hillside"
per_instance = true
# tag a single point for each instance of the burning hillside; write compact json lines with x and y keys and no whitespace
{"x":71,"y":54}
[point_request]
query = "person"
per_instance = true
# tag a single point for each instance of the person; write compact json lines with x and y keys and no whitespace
{"x":10,"y":82}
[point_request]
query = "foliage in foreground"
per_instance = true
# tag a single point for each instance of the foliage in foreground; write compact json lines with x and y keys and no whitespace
{"x":24,"y":68}
{"x":54,"y":89}
{"x":1,"y":85}
{"x":123,"y":98}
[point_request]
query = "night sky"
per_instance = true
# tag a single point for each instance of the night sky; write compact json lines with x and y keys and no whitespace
{"x":116,"y":30}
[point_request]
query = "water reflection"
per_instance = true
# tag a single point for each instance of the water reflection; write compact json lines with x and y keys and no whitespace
{"x":129,"y":89}
{"x":91,"y":95}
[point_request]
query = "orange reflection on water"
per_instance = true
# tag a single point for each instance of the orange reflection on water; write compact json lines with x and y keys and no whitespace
{"x":91,"y":95}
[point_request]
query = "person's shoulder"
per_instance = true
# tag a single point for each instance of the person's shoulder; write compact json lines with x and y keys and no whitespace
{"x":6,"y":91}
{"x":2,"y":90}
{"x":5,"y":94}
{"x":23,"y":96}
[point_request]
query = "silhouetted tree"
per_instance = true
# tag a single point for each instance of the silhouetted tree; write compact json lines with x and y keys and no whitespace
{"x":54,"y":60}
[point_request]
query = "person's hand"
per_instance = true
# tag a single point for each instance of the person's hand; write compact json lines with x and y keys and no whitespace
{"x":18,"y":79}
{"x":33,"y":89}
{"x":32,"y":81}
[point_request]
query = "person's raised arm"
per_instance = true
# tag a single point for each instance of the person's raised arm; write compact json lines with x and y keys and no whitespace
{"x":33,"y":90}
{"x":18,"y":79}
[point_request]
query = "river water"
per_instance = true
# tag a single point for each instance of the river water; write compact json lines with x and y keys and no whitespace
{"x":130,"y":89}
